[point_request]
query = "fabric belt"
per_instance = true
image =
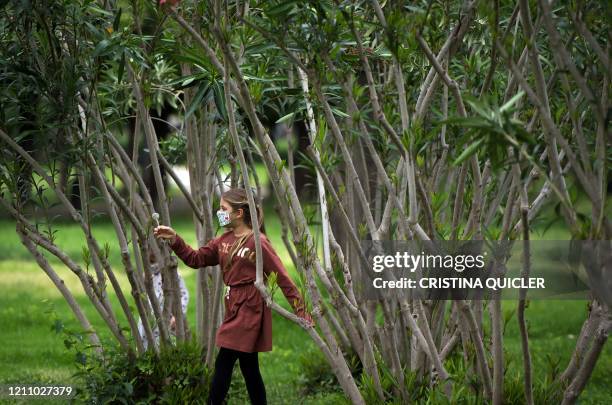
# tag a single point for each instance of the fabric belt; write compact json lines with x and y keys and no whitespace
{"x":229,"y":287}
{"x":242,"y":284}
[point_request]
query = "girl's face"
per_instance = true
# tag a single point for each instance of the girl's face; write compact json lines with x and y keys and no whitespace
{"x":227,"y":216}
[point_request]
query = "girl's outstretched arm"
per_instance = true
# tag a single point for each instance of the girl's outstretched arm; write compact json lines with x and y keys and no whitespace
{"x":205,"y":256}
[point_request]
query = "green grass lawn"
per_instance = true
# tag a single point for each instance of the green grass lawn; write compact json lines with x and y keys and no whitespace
{"x":31,"y":351}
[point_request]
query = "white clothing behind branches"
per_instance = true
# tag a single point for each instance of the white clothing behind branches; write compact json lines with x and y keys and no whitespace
{"x":159,"y":293}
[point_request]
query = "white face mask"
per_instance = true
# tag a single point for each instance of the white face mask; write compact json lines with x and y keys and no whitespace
{"x":223,"y":217}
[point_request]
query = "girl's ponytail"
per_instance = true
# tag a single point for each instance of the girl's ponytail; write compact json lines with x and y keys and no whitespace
{"x":260,"y":219}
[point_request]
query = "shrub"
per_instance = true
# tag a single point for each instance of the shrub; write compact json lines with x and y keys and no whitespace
{"x":178,"y":375}
{"x":316,"y":373}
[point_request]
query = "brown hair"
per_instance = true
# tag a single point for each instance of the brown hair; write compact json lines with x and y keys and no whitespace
{"x":237,"y":199}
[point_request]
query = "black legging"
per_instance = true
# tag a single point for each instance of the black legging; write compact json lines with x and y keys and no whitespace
{"x":224,"y":365}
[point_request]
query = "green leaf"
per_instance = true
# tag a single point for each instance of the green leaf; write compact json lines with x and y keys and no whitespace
{"x":192,"y":57}
{"x":286,"y":118}
{"x":282,"y":8}
{"x":469,"y":151}
{"x":512,"y":101}
{"x":339,"y":113}
{"x":95,"y":9}
{"x":479,"y":107}
{"x":197,"y":99}
{"x":265,"y":79}
{"x":81,"y":358}
{"x":259,"y":48}
{"x":101,"y":47}
{"x":117,"y":20}
{"x":219,"y":99}
{"x":57,"y":326}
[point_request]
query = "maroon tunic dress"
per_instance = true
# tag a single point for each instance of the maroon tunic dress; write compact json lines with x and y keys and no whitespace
{"x":247,"y":325}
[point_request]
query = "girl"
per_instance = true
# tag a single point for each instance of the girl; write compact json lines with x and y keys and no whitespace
{"x":247,"y":325}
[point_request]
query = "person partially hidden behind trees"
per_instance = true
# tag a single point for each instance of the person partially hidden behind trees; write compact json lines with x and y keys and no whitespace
{"x":247,"y":325}
{"x":159,"y":293}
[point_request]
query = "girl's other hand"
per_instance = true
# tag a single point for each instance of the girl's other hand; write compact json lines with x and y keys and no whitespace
{"x":307,"y":317}
{"x":165,"y":232}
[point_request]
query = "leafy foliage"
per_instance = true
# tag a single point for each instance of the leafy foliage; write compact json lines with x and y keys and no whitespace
{"x":491,"y":131}
{"x":178,"y":376}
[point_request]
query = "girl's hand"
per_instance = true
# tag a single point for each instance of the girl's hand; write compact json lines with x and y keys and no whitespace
{"x":307,"y":317}
{"x":165,"y":232}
